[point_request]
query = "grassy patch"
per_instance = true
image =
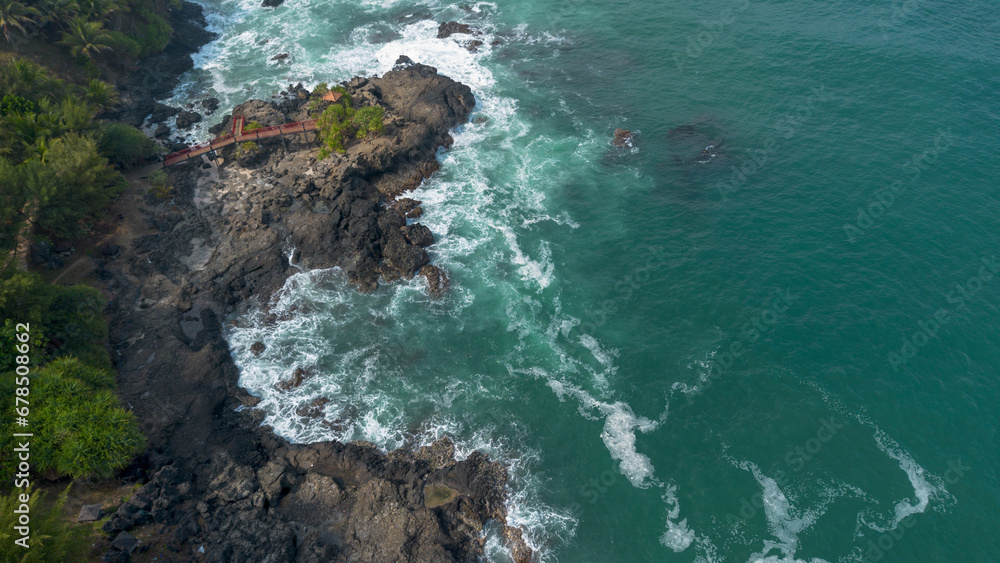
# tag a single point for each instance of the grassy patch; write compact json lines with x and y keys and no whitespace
{"x":438,"y":495}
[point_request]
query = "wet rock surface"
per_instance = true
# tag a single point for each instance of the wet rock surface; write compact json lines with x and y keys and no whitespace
{"x":447,"y":29}
{"x":219,"y":480}
{"x":623,"y":138}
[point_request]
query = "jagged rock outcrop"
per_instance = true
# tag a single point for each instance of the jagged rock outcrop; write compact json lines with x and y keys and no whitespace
{"x":623,"y":138}
{"x":447,"y":29}
{"x":342,"y":211}
{"x":223,"y":487}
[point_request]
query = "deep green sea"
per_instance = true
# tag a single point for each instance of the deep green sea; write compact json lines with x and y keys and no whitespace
{"x":788,"y":352}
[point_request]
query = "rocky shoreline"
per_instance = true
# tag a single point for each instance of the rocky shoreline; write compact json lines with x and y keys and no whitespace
{"x":221,"y":487}
{"x":157,"y":75}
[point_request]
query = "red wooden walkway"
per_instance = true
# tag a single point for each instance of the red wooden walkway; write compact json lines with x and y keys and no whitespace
{"x":238,"y":135}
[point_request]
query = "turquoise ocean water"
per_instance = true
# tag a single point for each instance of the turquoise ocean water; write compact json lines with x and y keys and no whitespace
{"x":786,"y":353}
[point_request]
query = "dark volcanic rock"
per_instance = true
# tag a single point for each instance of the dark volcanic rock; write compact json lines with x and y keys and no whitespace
{"x":403,"y":62}
{"x":314,"y":409}
{"x":125,"y":542}
{"x":298,"y":376}
{"x":623,"y":138}
{"x":221,"y":481}
{"x":271,"y":3}
{"x":437,"y":280}
{"x":162,"y":112}
{"x":418,"y":234}
{"x":186,"y":119}
{"x":280,"y":57}
{"x":210,"y":104}
{"x":446,"y":29}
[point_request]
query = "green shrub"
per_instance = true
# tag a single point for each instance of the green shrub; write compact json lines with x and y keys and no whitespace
{"x":78,"y":183}
{"x":346,"y":98}
{"x":125,"y":45}
{"x":125,"y":144}
{"x":369,"y":120}
{"x":101,"y":94}
{"x":160,"y":190}
{"x":85,"y":433}
{"x":341,"y":121}
{"x":246,"y":149}
{"x":153,"y":34}
{"x":16,"y":105}
{"x":51,"y":538}
{"x":251,"y":126}
{"x":319,"y":91}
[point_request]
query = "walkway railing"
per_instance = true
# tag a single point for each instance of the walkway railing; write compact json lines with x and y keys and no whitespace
{"x":238,"y":135}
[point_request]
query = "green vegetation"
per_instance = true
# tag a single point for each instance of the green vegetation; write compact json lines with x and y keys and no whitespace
{"x":15,"y":16}
{"x":251,"y":126}
{"x":86,"y":38}
{"x":51,"y":539}
{"x":91,"y":29}
{"x":87,"y":433}
{"x":341,"y":121}
{"x":54,"y":155}
{"x":125,"y":145}
{"x":161,"y":190}
{"x":72,"y":401}
{"x":58,"y":174}
{"x":319,"y":91}
{"x":246,"y":153}
{"x":246,"y":148}
{"x":64,"y":320}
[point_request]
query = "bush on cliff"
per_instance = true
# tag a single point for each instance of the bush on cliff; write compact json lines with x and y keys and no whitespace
{"x":83,"y":185}
{"x":123,"y":144}
{"x":51,"y":170}
{"x":87,"y":433}
{"x":133,"y":29}
{"x":341,"y":121}
{"x":84,"y":431}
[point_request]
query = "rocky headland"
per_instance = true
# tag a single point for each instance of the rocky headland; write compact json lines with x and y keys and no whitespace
{"x":218,"y":485}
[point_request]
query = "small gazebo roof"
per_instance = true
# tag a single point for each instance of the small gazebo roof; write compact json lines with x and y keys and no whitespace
{"x":333,"y":96}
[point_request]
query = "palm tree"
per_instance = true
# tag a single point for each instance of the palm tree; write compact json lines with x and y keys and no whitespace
{"x":86,"y":38}
{"x":99,"y":10}
{"x":101,"y":94}
{"x":14,"y":15}
{"x":60,"y":10}
{"x":28,"y":79}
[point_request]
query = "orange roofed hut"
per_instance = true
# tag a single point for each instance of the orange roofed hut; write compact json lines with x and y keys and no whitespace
{"x":333,"y":96}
